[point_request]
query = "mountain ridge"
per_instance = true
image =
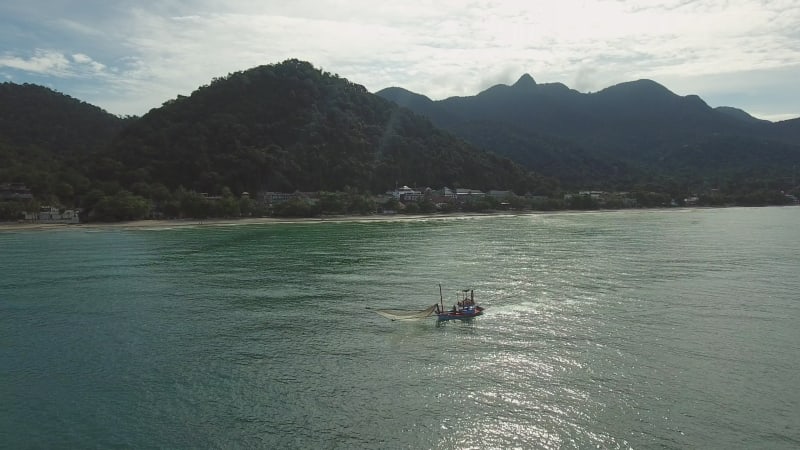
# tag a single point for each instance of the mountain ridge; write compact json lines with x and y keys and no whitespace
{"x":633,"y":126}
{"x":290,"y":126}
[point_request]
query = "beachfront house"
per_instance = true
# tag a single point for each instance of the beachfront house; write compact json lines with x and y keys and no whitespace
{"x":51,"y":214}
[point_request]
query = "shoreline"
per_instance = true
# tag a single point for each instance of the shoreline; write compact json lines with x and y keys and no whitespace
{"x":189,"y":223}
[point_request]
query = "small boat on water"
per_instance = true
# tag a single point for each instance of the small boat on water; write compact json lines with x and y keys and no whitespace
{"x":462,"y":310}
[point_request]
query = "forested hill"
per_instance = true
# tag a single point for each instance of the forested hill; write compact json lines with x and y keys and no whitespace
{"x":628,"y":134}
{"x":47,"y":139}
{"x":32,"y":115}
{"x":291,"y":126}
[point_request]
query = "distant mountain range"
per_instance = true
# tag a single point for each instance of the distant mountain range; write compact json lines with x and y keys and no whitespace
{"x":631,"y":133}
{"x":292,"y":127}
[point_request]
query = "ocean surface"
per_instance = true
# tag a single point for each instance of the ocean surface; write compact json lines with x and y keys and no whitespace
{"x":631,"y":329}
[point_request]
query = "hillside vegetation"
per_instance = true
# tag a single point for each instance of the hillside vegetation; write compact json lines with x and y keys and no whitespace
{"x":284,"y":127}
{"x":291,"y":126}
{"x":47,"y":139}
{"x":624,"y":137}
{"x":294,"y":128}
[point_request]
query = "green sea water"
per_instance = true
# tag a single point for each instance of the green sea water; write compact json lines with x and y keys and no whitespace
{"x":642,"y":329}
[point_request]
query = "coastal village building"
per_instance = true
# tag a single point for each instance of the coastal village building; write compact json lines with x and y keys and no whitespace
{"x":444,"y":195}
{"x":18,"y":192}
{"x":594,"y":195}
{"x":51,"y":214}
{"x":406,"y":193}
{"x":603,"y":198}
{"x":463,"y":194}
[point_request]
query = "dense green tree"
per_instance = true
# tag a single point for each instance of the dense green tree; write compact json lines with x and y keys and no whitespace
{"x":193,"y":204}
{"x":652,"y":199}
{"x":446,"y":208}
{"x":411,"y":208}
{"x":332,"y":202}
{"x":582,"y":202}
{"x":246,"y":206}
{"x":171,"y":209}
{"x":295,"y":207}
{"x":391,"y":205}
{"x":762,"y":197}
{"x":550,"y":204}
{"x":121,"y":206}
{"x":427,"y":206}
{"x":518,"y":203}
{"x":15,"y":210}
{"x":480,"y":204}
{"x":359,"y":202}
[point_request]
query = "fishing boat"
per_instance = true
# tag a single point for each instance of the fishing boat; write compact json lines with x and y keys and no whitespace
{"x":464,"y":309}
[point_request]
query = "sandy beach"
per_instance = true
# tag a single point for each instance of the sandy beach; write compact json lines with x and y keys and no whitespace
{"x":179,"y":223}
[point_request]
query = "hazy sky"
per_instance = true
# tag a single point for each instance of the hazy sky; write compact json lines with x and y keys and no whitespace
{"x":130,"y":56}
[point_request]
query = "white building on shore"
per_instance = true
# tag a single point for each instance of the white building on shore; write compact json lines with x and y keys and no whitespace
{"x":51,"y":214}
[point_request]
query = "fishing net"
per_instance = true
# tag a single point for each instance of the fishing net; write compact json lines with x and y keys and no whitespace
{"x":400,"y":314}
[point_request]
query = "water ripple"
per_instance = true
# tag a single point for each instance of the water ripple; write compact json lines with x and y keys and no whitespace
{"x":609,"y":330}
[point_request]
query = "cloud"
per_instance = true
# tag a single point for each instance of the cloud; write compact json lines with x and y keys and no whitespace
{"x":42,"y":62}
{"x":84,"y":61}
{"x":55,"y":64}
{"x":143,"y":56}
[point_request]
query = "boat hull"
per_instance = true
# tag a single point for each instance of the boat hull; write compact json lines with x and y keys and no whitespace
{"x":460,"y":315}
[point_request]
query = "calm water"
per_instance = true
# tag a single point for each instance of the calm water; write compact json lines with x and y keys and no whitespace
{"x":655,"y":329}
